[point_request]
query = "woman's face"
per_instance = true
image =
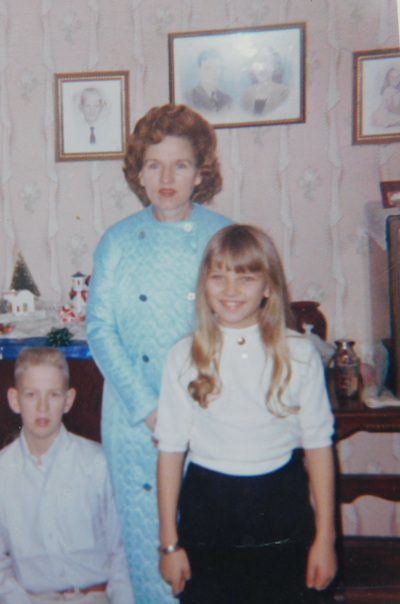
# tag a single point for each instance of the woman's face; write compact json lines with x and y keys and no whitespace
{"x":169,"y":175}
{"x":263,"y":68}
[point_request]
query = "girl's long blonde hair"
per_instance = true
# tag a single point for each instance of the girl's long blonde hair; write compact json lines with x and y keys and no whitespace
{"x":242,"y":248}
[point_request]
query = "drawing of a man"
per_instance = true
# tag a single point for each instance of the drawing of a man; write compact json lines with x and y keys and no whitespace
{"x":91,"y":105}
{"x":206,"y":97}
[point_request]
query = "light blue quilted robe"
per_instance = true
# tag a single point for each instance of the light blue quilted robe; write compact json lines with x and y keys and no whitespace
{"x":141,"y":301}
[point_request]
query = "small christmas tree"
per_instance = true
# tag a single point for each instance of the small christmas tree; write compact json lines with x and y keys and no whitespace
{"x":22,"y":278}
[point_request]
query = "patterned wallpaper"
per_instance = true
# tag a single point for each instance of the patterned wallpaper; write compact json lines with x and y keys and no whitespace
{"x":306,"y":184}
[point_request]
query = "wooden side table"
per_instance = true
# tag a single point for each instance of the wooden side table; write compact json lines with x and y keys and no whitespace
{"x":369,"y":566}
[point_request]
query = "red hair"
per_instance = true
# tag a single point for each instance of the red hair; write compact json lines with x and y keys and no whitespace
{"x":174,"y":120}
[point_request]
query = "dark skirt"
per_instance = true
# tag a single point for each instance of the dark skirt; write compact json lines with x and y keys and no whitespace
{"x":246,"y":537}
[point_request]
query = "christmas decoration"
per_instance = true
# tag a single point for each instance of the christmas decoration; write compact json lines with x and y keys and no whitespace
{"x":78,"y":295}
{"x":59,"y":337}
{"x":22,"y":278}
{"x":5,"y":328}
{"x":20,"y":302}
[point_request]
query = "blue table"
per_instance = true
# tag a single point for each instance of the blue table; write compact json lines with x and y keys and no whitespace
{"x":10,"y":347}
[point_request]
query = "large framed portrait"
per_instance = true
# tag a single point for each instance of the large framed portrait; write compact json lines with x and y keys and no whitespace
{"x":91,"y":115}
{"x":241,"y":77}
{"x":376,"y":96}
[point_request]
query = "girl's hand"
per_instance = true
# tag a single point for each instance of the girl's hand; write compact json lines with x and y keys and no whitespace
{"x":175,"y":569}
{"x":321,"y":564}
{"x":151,"y":419}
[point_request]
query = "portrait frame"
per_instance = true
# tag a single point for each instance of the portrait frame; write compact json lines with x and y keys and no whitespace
{"x":91,"y":115}
{"x":390,"y":191}
{"x":376,"y":101}
{"x":393,"y":238}
{"x":257,"y":74}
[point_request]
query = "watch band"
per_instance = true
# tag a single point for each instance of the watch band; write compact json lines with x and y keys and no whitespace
{"x":170,"y":549}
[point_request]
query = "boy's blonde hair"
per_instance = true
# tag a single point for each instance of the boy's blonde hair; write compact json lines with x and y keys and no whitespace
{"x":41,"y":355}
{"x":242,"y":248}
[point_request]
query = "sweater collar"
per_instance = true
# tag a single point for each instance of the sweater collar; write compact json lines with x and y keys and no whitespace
{"x":245,"y":332}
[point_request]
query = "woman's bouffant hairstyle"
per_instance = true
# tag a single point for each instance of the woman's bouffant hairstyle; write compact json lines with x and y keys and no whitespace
{"x":174,"y":120}
{"x":41,"y":355}
{"x":242,"y":248}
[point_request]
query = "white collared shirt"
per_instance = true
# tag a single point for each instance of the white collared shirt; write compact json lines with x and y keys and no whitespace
{"x":58,"y":523}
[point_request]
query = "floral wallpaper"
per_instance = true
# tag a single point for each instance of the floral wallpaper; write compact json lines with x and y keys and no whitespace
{"x":305,"y":184}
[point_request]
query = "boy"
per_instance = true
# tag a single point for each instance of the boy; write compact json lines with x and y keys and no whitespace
{"x":59,"y":533}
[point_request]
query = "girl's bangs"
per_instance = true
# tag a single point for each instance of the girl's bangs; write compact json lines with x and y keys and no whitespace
{"x":246,"y":261}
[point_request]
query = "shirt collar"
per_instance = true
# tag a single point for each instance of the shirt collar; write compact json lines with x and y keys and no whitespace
{"x":48,"y":457}
{"x":174,"y":223}
{"x":234,"y":332}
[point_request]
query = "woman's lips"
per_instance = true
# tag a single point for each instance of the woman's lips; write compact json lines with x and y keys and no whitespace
{"x":167,"y":192}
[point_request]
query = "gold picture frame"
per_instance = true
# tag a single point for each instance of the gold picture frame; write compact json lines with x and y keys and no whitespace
{"x":91,"y":115}
{"x":376,"y":96}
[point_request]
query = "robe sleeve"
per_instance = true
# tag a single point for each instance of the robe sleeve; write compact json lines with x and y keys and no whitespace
{"x":123,"y":374}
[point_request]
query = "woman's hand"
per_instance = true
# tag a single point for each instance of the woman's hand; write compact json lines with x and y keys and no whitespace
{"x":321,"y":564}
{"x":151,"y":419}
{"x":175,"y":569}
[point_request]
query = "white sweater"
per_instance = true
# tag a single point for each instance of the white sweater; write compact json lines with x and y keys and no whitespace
{"x":237,"y":434}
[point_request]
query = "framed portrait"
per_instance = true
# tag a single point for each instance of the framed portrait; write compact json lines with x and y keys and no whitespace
{"x":376,"y":96}
{"x":390,"y":191}
{"x":393,"y":237}
{"x":91,"y":115}
{"x":251,"y":76}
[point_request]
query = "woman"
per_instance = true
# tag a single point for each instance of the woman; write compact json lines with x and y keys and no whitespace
{"x":388,"y":112}
{"x":267,"y":91}
{"x":141,"y":301}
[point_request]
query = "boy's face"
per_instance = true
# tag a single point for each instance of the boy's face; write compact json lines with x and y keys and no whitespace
{"x":41,"y":398}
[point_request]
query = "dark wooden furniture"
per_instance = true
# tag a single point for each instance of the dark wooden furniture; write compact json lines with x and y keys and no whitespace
{"x":369,"y":567}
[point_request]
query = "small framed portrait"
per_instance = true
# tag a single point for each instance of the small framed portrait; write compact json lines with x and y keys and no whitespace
{"x":390,"y":191}
{"x":241,"y":77}
{"x":376,"y":96}
{"x":91,"y":115}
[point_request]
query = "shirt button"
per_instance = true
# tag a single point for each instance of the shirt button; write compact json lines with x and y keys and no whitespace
{"x":142,"y":235}
{"x":191,"y":296}
{"x":147,"y":486}
{"x":188,"y":227}
{"x":143,"y":298}
{"x":145,"y":358}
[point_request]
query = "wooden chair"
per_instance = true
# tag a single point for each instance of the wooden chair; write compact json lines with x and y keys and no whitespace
{"x":369,"y":567}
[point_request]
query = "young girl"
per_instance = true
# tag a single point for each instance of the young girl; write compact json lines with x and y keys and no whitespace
{"x":243,"y":394}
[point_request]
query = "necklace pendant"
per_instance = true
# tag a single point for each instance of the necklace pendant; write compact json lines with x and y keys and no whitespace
{"x":241,"y":341}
